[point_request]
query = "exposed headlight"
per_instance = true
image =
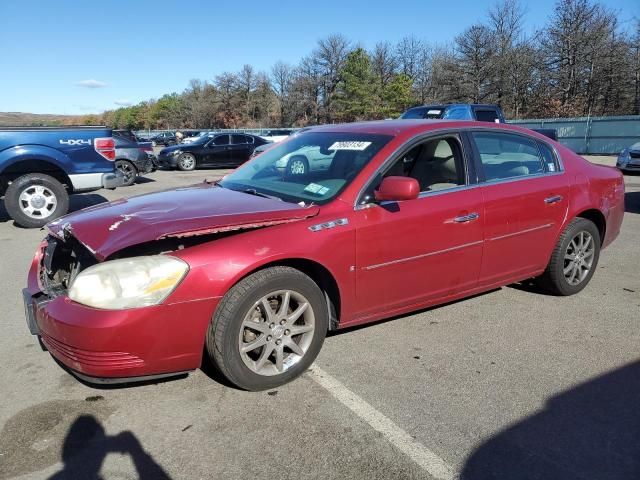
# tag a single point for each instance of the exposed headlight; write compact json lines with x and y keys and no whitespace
{"x":176,"y":152}
{"x":129,"y":282}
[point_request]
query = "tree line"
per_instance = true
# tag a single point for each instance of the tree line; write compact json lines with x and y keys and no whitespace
{"x":583,"y":62}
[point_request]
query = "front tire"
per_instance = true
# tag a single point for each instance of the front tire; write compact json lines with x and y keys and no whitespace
{"x":35,"y":199}
{"x":297,"y":165}
{"x":187,"y":162}
{"x":268,"y":328}
{"x":129,"y":171}
{"x":574,"y":259}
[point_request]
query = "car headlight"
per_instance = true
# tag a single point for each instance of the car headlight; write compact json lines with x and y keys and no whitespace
{"x":129,"y":282}
{"x":176,"y":152}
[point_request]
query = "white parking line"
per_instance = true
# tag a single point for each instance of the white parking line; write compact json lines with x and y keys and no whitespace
{"x":400,"y":439}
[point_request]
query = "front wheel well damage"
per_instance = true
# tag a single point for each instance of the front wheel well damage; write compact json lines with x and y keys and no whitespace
{"x":320,"y":275}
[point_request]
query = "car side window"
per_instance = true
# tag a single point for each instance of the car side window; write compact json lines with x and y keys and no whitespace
{"x":550,"y":160}
{"x":505,"y":155}
{"x":237,"y":139}
{"x":457,"y":113}
{"x":436,"y":164}
{"x":221,"y":140}
{"x":487,"y":116}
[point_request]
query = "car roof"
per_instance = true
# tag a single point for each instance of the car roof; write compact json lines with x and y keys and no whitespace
{"x":416,"y":126}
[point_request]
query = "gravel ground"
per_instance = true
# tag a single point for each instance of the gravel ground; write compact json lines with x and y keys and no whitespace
{"x":511,"y":383}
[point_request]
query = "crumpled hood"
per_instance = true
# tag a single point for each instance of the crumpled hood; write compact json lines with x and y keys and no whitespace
{"x":183,"y":212}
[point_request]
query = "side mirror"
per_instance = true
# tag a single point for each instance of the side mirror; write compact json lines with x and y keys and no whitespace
{"x":396,"y":189}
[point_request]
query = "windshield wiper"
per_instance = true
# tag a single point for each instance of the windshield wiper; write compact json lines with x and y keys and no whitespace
{"x":253,"y":191}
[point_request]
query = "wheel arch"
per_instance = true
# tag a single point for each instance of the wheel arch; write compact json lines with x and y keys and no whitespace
{"x":598,"y":218}
{"x":318,"y":273}
{"x":33,"y":165}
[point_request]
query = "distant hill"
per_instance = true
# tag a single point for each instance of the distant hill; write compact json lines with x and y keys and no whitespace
{"x":20,"y":119}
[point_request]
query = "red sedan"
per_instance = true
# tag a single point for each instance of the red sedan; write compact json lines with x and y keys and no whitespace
{"x":255,"y":269}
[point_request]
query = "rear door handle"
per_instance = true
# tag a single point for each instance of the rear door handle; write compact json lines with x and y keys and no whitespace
{"x":553,"y":199}
{"x":467,"y":218}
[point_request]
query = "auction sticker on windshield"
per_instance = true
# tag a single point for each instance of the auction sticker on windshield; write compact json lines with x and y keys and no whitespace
{"x":315,"y":188}
{"x":354,"y":145}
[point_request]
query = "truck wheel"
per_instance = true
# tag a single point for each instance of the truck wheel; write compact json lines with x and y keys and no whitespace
{"x":129,"y":171}
{"x":35,"y":199}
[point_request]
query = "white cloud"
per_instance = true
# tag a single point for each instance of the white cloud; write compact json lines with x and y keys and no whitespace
{"x":91,"y":83}
{"x":124,"y":102}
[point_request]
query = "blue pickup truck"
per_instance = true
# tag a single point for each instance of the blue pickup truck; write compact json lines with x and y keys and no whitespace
{"x":40,"y":167}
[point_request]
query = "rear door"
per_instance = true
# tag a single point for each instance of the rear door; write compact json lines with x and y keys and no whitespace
{"x":240,"y":149}
{"x":525,"y":196}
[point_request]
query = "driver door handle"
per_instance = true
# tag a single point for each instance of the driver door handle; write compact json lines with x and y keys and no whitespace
{"x":467,"y":218}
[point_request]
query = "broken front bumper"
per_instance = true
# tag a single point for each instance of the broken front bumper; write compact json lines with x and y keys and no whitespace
{"x":112,"y":345}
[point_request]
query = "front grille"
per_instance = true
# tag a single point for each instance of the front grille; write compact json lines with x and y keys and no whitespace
{"x":634,"y":154}
{"x":61,"y":262}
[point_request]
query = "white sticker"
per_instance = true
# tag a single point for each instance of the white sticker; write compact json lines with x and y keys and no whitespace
{"x":434,"y":112}
{"x":355,"y":145}
{"x":315,"y":188}
{"x":552,"y":167}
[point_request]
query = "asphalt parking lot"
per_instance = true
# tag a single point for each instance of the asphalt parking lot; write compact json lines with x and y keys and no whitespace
{"x":510,"y":384}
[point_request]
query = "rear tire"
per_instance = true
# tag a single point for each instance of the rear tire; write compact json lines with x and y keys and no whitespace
{"x":284,"y":345}
{"x":574,"y":259}
{"x":35,"y":199}
{"x":129,"y":171}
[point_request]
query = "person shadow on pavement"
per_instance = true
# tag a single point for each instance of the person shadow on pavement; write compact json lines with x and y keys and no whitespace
{"x":591,"y":431}
{"x":87,"y":445}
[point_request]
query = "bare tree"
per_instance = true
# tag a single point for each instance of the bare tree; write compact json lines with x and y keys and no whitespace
{"x":408,"y":52}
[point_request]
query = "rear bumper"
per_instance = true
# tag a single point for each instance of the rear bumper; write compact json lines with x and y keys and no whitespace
{"x":84,"y":182}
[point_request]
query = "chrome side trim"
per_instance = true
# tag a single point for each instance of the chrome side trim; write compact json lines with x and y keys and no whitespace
{"x":424,"y":255}
{"x":330,"y":224}
{"x":521,"y":232}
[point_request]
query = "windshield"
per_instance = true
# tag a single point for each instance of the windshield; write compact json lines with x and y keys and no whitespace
{"x":310,"y":168}
{"x":200,"y":139}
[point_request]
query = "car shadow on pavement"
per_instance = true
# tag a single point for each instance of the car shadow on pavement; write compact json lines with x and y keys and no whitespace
{"x":76,"y":202}
{"x":141,"y":180}
{"x":632,"y":202}
{"x":86,"y":445}
{"x":589,"y":431}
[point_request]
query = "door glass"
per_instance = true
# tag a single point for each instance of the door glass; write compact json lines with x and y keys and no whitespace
{"x":237,"y":139}
{"x":221,"y":140}
{"x":487,"y":116}
{"x":436,"y":164}
{"x":504,"y":155}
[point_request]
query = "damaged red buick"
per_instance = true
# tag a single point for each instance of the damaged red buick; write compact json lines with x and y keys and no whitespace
{"x":338,"y":226}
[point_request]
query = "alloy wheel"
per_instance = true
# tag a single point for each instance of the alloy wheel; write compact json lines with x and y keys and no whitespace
{"x":276,"y":332}
{"x":37,"y":201}
{"x":578,"y":258}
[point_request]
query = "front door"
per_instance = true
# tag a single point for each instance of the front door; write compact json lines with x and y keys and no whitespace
{"x":415,"y":251}
{"x":525,"y":196}
{"x":217,"y":151}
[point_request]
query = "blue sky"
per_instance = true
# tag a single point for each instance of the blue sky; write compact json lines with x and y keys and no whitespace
{"x":129,"y":51}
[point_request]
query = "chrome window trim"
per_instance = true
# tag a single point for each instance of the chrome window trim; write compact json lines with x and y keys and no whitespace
{"x":409,"y":144}
{"x":521,"y":134}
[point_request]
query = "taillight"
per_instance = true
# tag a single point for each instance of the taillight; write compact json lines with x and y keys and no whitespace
{"x":105,"y":147}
